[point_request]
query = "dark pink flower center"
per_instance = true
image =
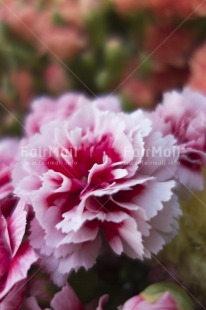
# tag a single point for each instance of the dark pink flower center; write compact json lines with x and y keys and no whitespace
{"x":77,"y":171}
{"x":5,"y":258}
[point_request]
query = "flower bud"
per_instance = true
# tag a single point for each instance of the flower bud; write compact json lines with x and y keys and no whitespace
{"x":164,"y":295}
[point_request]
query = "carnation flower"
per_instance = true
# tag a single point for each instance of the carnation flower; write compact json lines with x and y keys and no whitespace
{"x":184,"y":116}
{"x":66,"y":299}
{"x":16,"y":256}
{"x":47,"y":109}
{"x":90,"y":177}
{"x":8,"y":150}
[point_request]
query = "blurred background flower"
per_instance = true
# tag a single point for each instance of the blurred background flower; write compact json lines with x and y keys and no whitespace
{"x":164,"y":295}
{"x":94,"y":46}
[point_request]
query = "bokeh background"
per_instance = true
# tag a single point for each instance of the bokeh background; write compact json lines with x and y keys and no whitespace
{"x":136,"y":49}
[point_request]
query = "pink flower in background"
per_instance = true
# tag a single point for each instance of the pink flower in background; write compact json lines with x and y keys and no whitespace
{"x":183,"y":114}
{"x":8,"y":151}
{"x":185,"y":8}
{"x":14,"y":299}
{"x":160,"y":296}
{"x":66,"y":299}
{"x":41,"y":288}
{"x":124,"y":6}
{"x":199,"y":7}
{"x":22,"y":81}
{"x":165,"y":9}
{"x":61,"y":42}
{"x":165,"y":302}
{"x":166,"y":54}
{"x":46,"y":109}
{"x":43,"y":292}
{"x":167,"y":77}
{"x":139,"y":93}
{"x":75,"y":11}
{"x":55,"y":78}
{"x":35,"y":24}
{"x":16,"y":256}
{"x":23,"y":22}
{"x":90,"y":176}
{"x":169,"y":8}
{"x":197,"y":79}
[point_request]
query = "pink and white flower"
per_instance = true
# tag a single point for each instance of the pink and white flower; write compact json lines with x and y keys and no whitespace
{"x":8,"y":151}
{"x":90,"y":176}
{"x":16,"y":256}
{"x":46,"y":109}
{"x":183,"y":114}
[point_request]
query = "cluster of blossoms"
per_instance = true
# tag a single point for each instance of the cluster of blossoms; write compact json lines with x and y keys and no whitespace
{"x":67,"y":36}
{"x":87,"y":176}
{"x":168,"y":7}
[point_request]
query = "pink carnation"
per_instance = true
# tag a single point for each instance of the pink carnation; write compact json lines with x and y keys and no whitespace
{"x":184,"y":116}
{"x":66,"y":299}
{"x":16,"y":257}
{"x":8,"y":151}
{"x":90,"y":176}
{"x":165,"y":302}
{"x":47,"y":109}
